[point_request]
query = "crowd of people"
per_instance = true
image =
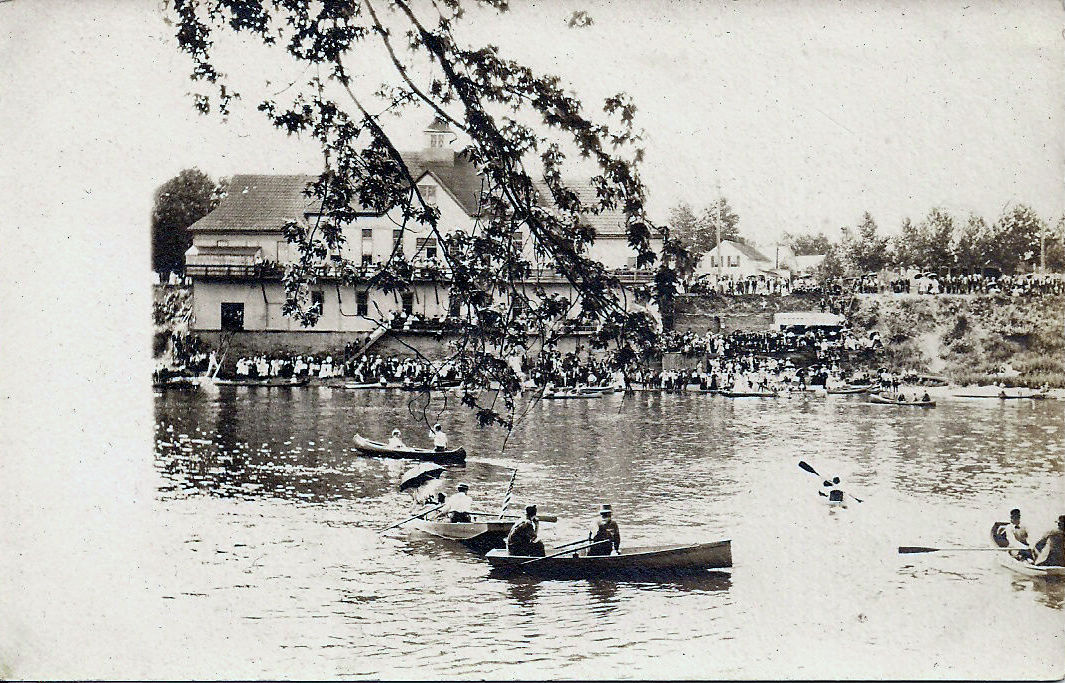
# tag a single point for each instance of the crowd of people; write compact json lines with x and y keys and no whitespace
{"x":1028,"y":284}
{"x":823,"y":343}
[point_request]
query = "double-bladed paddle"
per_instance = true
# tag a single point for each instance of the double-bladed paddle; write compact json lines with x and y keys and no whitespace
{"x":411,"y":519}
{"x":806,"y":466}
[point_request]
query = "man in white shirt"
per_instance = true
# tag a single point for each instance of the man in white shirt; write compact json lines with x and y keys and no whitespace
{"x":439,"y":438}
{"x":1017,"y":535}
{"x":459,"y":506}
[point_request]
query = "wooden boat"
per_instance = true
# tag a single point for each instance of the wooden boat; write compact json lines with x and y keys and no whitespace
{"x":880,"y":400}
{"x":271,"y":382}
{"x":1004,"y":396}
{"x":998,"y":539}
{"x":376,"y":448}
{"x":748,"y":394}
{"x":483,"y":535}
{"x":850,"y":390}
{"x":571,"y":394}
{"x":366,"y":385}
{"x":650,"y":560}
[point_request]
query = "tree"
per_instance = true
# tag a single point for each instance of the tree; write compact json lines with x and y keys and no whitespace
{"x":698,"y":234}
{"x":180,"y":202}
{"x":1014,"y":240}
{"x":509,"y":116}
{"x":970,"y":245}
{"x":833,"y":266}
{"x":866,"y":251}
{"x":936,"y":235}
{"x":906,"y":246}
{"x":807,"y":244}
{"x":1055,"y":246}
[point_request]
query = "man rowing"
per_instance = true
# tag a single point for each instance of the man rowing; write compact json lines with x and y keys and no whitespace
{"x":459,"y":506}
{"x":522,"y":539}
{"x":605,"y":535}
{"x":1053,"y":552}
{"x":1017,"y":535}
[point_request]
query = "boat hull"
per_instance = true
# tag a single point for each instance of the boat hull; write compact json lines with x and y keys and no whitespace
{"x":748,"y":394}
{"x":483,"y":536}
{"x":880,"y":400}
{"x":849,"y":390}
{"x":1006,"y":560}
{"x":646,"y":561}
{"x":380,"y":450}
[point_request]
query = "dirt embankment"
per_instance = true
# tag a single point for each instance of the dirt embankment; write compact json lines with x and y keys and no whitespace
{"x":978,"y":339}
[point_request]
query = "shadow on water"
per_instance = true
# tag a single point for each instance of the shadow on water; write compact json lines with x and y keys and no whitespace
{"x":603,"y":591}
{"x":1049,"y":590}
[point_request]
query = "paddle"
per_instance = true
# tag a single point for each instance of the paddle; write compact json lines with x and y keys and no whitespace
{"x":542,"y":518}
{"x":420,"y":514}
{"x":564,"y":552}
{"x":907,"y":549}
{"x":806,"y":466}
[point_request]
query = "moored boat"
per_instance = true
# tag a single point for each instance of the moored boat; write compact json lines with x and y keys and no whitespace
{"x":376,"y":448}
{"x":1004,"y":396}
{"x":571,"y":394}
{"x":850,"y":390}
{"x":881,"y":400}
{"x":748,"y":394}
{"x":639,"y":561}
{"x":998,"y":539}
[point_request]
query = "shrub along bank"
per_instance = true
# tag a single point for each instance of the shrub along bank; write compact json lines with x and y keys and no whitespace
{"x":981,"y":339}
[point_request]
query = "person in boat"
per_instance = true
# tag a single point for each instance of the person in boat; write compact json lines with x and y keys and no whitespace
{"x":394,"y":441}
{"x":439,"y":438}
{"x":523,"y":537}
{"x":459,"y":507}
{"x":1053,"y":552}
{"x":835,"y":493}
{"x":1017,"y":535}
{"x":605,"y":534}
{"x":926,"y":398}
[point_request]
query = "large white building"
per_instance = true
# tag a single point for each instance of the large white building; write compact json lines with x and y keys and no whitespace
{"x":238,"y":254}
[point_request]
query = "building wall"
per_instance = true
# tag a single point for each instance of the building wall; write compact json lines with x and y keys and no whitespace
{"x":741,"y":265}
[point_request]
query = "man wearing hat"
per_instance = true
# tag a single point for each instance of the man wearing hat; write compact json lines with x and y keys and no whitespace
{"x":459,"y":505}
{"x":439,"y":438}
{"x":604,"y":534}
{"x":522,"y":538}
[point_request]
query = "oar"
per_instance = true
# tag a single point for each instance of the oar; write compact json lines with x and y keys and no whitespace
{"x":570,"y":550}
{"x":908,"y":549}
{"x":806,"y":466}
{"x":566,"y":545}
{"x":542,"y":518}
{"x":420,"y":514}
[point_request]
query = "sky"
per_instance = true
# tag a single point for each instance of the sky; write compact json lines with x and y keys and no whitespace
{"x":806,"y":113}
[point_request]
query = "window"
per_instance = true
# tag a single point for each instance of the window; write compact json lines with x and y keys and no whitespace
{"x":232,"y":316}
{"x":429,"y":245}
{"x":428,"y":193}
{"x":318,"y":301}
{"x":408,"y":302}
{"x":222,"y":243}
{"x":397,"y":237}
{"x":367,"y":258}
{"x":367,"y":240}
{"x":436,"y":140}
{"x":362,"y":303}
{"x":631,"y":262}
{"x":367,"y":233}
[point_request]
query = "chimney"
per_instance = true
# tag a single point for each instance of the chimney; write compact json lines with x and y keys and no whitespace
{"x":438,"y":139}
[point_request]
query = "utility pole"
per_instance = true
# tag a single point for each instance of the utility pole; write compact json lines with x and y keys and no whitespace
{"x":717,"y":230}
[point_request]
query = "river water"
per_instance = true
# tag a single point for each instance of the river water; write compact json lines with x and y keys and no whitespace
{"x":269,"y":518}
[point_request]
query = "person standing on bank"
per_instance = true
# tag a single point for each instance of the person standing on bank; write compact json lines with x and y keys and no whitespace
{"x":522,"y":539}
{"x":605,"y":534}
{"x":439,"y":438}
{"x":459,"y":506}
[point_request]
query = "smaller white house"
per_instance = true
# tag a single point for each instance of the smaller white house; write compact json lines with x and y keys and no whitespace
{"x":735,"y":260}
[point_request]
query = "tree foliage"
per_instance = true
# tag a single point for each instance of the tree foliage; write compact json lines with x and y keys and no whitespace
{"x":180,"y":202}
{"x":512,"y":119}
{"x":865,"y":250}
{"x":698,"y":233}
{"x":804,"y":244}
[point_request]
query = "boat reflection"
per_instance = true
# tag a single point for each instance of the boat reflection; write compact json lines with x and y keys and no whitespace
{"x":523,"y":588}
{"x":1049,"y":590}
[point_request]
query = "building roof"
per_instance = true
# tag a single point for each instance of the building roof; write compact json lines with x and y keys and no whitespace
{"x":747,"y":250}
{"x":438,"y":125}
{"x":609,"y":223}
{"x":259,"y":202}
{"x":459,"y":177}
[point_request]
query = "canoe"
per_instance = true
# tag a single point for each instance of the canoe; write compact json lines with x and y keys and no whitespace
{"x":376,"y":448}
{"x":645,"y":561}
{"x":890,"y":402}
{"x":849,"y":390}
{"x":366,"y":385}
{"x":572,"y":394}
{"x":1010,"y":562}
{"x":748,"y":394}
{"x":272,"y":382}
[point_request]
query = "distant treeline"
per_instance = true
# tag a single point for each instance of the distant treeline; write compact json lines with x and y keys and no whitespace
{"x":1019,"y":241}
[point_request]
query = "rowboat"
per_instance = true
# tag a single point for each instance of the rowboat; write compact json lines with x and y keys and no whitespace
{"x":998,"y":539}
{"x":644,"y":561}
{"x":271,"y":382}
{"x":891,"y":402}
{"x":368,"y":447}
{"x":366,"y":385}
{"x":571,"y":394}
{"x":481,"y":535}
{"x":850,"y":390}
{"x":748,"y":394}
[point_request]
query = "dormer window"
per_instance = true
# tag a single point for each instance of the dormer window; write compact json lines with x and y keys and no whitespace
{"x":438,"y":140}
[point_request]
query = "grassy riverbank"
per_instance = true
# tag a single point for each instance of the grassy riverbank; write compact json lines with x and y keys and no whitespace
{"x":981,"y":339}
